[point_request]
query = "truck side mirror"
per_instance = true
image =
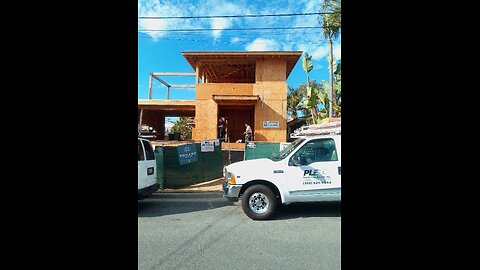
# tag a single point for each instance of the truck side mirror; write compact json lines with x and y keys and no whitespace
{"x":294,"y":161}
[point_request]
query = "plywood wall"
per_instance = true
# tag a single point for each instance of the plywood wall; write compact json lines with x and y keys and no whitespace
{"x":271,"y":69}
{"x":272,"y":89}
{"x":269,"y":109}
{"x":270,"y":85}
{"x":206,"y":90}
{"x":206,"y":112}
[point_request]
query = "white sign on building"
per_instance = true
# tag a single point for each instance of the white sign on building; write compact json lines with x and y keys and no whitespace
{"x":271,"y":124}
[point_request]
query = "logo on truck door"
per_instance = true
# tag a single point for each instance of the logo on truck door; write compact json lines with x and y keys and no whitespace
{"x":315,"y":176}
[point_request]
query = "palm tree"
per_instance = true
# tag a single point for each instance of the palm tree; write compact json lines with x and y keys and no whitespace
{"x":337,"y":67}
{"x":337,"y":82}
{"x":331,"y":24}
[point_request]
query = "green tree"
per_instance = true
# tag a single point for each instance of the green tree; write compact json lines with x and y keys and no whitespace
{"x":294,"y":97}
{"x":318,"y":96}
{"x":331,"y":26}
{"x":182,"y":126}
{"x":311,"y":98}
{"x":295,"y":101}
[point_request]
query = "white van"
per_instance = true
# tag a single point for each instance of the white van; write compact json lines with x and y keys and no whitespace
{"x":147,"y":169}
{"x":308,"y":170}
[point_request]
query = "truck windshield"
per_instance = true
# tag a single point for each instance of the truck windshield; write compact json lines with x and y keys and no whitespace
{"x":287,"y":150}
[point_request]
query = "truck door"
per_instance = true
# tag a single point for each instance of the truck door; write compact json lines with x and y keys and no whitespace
{"x":142,"y":168}
{"x":313,"y":172}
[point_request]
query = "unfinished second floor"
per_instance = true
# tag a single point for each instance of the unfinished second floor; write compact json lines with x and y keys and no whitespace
{"x":223,"y":74}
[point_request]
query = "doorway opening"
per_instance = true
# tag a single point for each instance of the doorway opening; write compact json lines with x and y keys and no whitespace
{"x":236,"y":117}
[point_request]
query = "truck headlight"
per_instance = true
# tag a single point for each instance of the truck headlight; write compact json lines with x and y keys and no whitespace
{"x":230,"y":177}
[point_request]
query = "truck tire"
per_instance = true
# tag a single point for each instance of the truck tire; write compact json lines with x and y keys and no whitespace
{"x":259,"y":202}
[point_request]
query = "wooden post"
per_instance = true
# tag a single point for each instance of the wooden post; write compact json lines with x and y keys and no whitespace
{"x":197,"y":76}
{"x":140,"y":124}
{"x":150,"y":87}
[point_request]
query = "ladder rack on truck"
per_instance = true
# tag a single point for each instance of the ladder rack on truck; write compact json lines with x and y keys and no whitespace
{"x":318,"y":129}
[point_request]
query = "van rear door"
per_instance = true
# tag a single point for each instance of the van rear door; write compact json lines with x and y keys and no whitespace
{"x":150,"y":164}
{"x":142,"y":168}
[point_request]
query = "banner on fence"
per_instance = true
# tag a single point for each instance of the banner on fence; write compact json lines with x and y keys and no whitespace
{"x":207,"y":146}
{"x":187,"y":154}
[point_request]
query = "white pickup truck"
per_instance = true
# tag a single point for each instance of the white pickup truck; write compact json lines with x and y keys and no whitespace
{"x":307,"y":170}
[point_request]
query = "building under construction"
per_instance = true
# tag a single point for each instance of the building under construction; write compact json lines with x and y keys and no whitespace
{"x":242,"y":87}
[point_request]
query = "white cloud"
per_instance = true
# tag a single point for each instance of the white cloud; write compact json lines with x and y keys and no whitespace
{"x":219,"y":23}
{"x":312,"y":5}
{"x":263,"y":44}
{"x":177,"y":9}
{"x":316,"y":51}
{"x":311,"y":41}
{"x":221,"y":7}
{"x":320,"y":53}
{"x":151,"y":8}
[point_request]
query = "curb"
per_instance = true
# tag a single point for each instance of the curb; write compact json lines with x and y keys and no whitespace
{"x":206,"y":194}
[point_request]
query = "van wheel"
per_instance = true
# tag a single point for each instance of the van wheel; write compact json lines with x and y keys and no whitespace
{"x":259,"y":202}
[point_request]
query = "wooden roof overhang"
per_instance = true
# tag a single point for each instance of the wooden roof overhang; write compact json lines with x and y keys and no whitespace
{"x":235,"y":67}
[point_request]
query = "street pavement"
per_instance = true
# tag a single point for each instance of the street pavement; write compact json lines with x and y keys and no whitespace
{"x":205,"y":231}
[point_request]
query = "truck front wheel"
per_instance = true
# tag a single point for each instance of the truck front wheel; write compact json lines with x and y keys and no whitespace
{"x":259,"y":202}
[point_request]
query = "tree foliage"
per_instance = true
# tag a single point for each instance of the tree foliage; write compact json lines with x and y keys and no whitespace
{"x":331,"y":25}
{"x":307,"y":63}
{"x":294,"y":99}
{"x":182,"y":126}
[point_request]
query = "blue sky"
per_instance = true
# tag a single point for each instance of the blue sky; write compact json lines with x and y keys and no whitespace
{"x":161,"y":51}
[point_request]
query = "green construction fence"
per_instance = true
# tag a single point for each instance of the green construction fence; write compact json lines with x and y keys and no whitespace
{"x":255,"y":150}
{"x":170,"y":174}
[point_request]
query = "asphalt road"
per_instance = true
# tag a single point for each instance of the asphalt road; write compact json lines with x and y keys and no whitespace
{"x":205,"y":231}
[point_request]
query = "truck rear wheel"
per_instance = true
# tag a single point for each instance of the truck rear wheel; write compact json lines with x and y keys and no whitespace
{"x":259,"y":202}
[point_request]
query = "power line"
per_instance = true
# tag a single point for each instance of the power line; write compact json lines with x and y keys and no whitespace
{"x":234,"y":16}
{"x":228,"y":29}
{"x":227,"y":42}
{"x":241,"y":34}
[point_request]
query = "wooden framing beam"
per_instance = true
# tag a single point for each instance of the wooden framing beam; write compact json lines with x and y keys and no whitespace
{"x":197,"y":74}
{"x":150,"y":86}
{"x":183,"y":86}
{"x":174,"y":74}
{"x":229,"y":74}
{"x":213,"y":71}
{"x":156,"y":74}
{"x":162,"y":81}
{"x":209,"y":74}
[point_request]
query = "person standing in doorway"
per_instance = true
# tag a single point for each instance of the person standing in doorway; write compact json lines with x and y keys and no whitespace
{"x":221,"y":128}
{"x":248,"y":133}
